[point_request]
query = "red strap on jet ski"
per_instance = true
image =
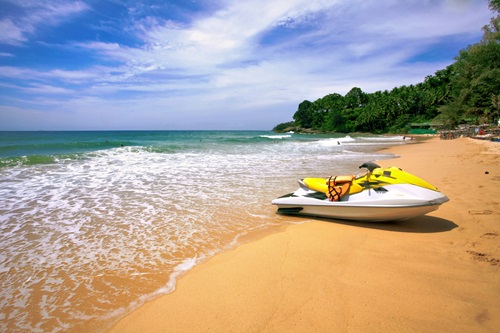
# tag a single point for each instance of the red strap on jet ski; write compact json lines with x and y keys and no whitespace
{"x":338,"y":187}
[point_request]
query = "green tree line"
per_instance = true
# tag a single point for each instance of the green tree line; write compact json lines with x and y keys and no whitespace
{"x":468,"y":90}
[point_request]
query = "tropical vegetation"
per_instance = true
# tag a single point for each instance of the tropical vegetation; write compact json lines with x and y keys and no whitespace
{"x":467,"y":91}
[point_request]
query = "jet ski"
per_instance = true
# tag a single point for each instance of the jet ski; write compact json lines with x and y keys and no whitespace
{"x":377,"y":195}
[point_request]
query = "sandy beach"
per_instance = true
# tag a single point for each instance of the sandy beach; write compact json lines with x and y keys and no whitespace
{"x":436,"y":273}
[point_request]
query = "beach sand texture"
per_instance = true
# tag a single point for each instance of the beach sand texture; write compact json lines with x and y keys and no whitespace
{"x":436,"y":273}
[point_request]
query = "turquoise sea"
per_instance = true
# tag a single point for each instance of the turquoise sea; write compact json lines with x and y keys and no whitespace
{"x":94,"y":224}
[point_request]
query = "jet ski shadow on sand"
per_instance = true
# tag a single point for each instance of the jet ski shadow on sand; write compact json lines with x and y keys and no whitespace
{"x":420,"y":225}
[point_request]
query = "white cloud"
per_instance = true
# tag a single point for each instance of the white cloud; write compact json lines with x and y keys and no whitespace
{"x":243,"y":58}
{"x":11,"y":33}
{"x":27,"y":74}
{"x":37,"y":13}
{"x":425,"y":20}
{"x":229,"y":35}
{"x":211,"y":46}
{"x":47,"y":89}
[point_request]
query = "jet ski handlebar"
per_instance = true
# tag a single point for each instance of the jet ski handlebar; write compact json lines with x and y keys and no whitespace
{"x":370,"y":166}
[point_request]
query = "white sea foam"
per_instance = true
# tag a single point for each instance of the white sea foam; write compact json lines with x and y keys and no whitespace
{"x":333,"y":142}
{"x":277,"y":136}
{"x":70,"y":231}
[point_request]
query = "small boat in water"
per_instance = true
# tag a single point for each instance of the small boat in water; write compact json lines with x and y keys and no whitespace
{"x":381,"y":194}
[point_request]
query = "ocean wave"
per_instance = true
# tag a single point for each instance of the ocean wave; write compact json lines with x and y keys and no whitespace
{"x":32,"y":160}
{"x":37,"y":160}
{"x":336,"y":141}
{"x":50,"y":148}
{"x":118,"y":226}
{"x":277,"y":136}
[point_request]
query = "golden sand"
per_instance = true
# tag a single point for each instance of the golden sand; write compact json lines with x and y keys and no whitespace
{"x":436,"y":273}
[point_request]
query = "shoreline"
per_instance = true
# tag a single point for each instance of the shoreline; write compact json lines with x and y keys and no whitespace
{"x":438,"y":272}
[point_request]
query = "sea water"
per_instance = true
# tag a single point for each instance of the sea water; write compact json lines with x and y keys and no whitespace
{"x":94,"y":224}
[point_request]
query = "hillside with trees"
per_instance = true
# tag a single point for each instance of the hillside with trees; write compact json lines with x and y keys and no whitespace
{"x":467,"y":91}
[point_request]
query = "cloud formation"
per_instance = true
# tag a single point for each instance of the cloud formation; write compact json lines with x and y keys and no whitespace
{"x":214,"y":65}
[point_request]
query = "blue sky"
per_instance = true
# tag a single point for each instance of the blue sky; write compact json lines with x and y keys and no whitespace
{"x":221,"y":64}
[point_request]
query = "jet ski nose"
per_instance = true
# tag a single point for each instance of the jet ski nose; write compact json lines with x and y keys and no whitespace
{"x":439,"y":201}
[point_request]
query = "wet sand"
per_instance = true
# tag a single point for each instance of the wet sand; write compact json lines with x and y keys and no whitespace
{"x":436,"y":273}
